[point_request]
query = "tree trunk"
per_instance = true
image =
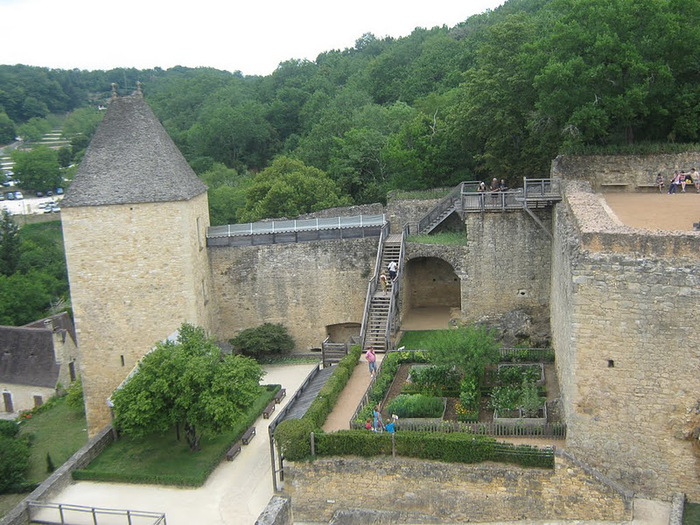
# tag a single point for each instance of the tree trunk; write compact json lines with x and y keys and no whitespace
{"x":192,"y":437}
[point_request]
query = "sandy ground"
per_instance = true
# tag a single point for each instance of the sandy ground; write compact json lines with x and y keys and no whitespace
{"x":656,"y":211}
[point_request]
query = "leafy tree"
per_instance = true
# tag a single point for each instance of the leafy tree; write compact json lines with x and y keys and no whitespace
{"x":470,"y":348}
{"x":37,"y":169}
{"x":266,"y":339}
{"x":7,"y":129}
{"x":74,"y":396}
{"x":288,"y":188}
{"x":24,"y":297}
{"x":14,"y":462}
{"x":34,"y":129}
{"x":190,"y":383}
{"x":10,"y":242}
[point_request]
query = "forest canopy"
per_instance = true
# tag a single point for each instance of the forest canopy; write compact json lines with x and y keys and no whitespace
{"x":499,"y":95}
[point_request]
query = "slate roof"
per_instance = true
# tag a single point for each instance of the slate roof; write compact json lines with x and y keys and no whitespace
{"x":130,"y":160}
{"x":27,"y":356}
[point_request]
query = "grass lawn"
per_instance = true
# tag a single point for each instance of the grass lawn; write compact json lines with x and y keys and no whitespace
{"x":58,"y":430}
{"x":446,"y":238}
{"x":418,"y":340}
{"x":162,"y":459}
{"x":691,"y":514}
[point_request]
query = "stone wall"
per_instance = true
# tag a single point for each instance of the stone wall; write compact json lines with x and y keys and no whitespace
{"x":507,"y":266}
{"x":304,"y":286}
{"x":633,"y":170}
{"x":624,"y":311}
{"x":136,"y":273}
{"x":416,"y":491}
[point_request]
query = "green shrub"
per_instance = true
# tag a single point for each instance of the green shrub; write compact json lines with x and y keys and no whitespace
{"x":516,"y":374}
{"x":530,"y":401}
{"x":292,"y":438}
{"x":14,"y":462}
{"x":416,"y":405}
{"x":267,"y":339}
{"x":505,"y":398}
{"x":74,"y":396}
{"x":437,"y":380}
{"x":8,"y":428}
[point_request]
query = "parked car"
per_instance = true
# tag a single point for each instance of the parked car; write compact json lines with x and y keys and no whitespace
{"x":2,"y":196}
{"x":59,"y":191}
{"x":10,"y":196}
{"x":39,"y":194}
{"x":18,"y":195}
{"x":49,"y":193}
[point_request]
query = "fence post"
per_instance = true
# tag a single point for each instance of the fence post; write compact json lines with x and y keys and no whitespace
{"x":313,"y":446}
{"x":393,"y":445}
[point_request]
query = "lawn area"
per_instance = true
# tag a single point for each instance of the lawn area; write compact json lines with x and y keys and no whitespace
{"x":58,"y":430}
{"x":691,"y":514}
{"x":419,"y":340}
{"x":162,"y":459}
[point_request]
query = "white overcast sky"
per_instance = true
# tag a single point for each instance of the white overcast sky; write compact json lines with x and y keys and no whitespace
{"x":251,"y":36}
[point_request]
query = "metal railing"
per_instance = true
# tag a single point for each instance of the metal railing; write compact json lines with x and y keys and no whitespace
{"x":393,"y":316}
{"x":373,"y":282}
{"x":445,"y":204}
{"x":286,"y":226}
{"x":64,"y":513}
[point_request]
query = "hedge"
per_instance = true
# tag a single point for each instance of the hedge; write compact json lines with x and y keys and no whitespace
{"x":438,"y":446}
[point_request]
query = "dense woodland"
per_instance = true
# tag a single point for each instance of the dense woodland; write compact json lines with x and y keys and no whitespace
{"x":499,"y":95}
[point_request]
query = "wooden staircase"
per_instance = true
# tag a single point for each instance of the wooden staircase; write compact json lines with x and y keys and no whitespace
{"x":380,"y":302}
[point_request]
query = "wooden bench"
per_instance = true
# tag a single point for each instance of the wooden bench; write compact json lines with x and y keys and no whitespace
{"x":281,"y":394}
{"x":618,"y":185}
{"x":249,"y":434}
{"x":269,"y":409}
{"x":233,"y":451}
{"x":647,"y":187}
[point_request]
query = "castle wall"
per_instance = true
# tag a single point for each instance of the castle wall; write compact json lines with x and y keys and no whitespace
{"x":633,"y":170}
{"x":507,"y":266}
{"x":417,"y":491}
{"x":624,"y":312}
{"x":304,"y":286}
{"x":137,"y":272}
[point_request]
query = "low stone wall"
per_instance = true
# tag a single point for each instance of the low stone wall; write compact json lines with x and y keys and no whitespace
{"x":277,"y":512}
{"x":417,"y":491}
{"x":61,"y":478}
{"x":622,"y":172}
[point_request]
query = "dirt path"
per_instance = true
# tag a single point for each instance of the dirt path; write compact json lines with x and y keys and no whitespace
{"x":350,"y":397}
{"x":655,"y":211}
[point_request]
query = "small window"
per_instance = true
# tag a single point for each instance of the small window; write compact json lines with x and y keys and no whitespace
{"x":38,"y":401}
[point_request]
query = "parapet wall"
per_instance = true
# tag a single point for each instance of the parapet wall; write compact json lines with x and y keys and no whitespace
{"x":624,"y":305}
{"x":304,"y":286}
{"x":417,"y":491}
{"x":603,"y":171}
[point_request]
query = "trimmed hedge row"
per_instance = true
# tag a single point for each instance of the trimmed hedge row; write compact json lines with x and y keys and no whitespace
{"x":292,"y":435}
{"x":438,"y":446}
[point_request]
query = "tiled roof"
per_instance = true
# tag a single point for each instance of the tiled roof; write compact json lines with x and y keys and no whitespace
{"x":27,"y":356}
{"x":131,"y":159}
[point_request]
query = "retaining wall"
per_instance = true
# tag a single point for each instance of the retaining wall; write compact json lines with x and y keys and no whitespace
{"x":416,"y":491}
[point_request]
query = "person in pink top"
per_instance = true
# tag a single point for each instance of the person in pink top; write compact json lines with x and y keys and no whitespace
{"x":371,"y":360}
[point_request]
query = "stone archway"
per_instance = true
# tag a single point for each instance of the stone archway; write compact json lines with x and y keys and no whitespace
{"x":431,"y":294}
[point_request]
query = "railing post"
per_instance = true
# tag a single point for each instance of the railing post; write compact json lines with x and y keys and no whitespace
{"x":128,"y":516}
{"x":60,"y":512}
{"x":313,"y":445}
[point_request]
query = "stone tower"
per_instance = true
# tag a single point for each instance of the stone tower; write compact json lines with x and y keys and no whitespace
{"x":134,"y":226}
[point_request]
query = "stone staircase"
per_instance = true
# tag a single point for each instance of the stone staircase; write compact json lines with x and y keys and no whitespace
{"x":380,"y":303}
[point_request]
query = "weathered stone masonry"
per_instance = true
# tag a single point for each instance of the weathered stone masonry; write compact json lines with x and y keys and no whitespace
{"x":627,"y":347}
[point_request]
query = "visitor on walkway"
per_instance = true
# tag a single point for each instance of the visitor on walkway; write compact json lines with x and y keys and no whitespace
{"x":372,"y":361}
{"x":683,"y":178}
{"x":383,"y":282}
{"x":393,"y":268}
{"x":390,"y":425}
{"x":696,"y":179}
{"x":378,"y":425}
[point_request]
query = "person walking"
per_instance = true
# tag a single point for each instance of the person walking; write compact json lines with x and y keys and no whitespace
{"x":378,"y":424}
{"x":383,"y":282}
{"x":371,"y":361}
{"x":393,"y":268}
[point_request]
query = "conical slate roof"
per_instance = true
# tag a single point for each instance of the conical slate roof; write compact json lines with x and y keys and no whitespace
{"x":130,"y":160}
